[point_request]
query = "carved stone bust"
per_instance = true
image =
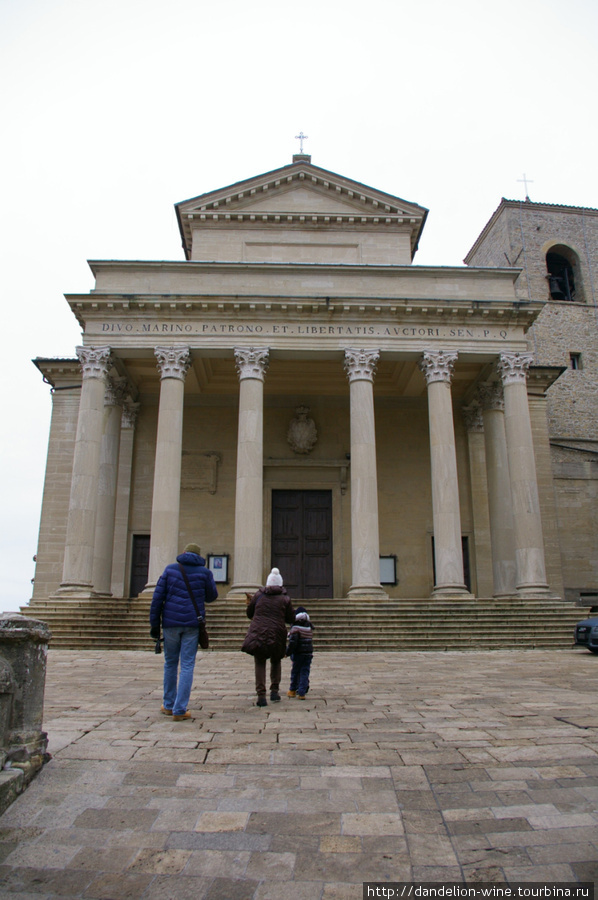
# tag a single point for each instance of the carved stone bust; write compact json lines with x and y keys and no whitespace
{"x":302,"y":434}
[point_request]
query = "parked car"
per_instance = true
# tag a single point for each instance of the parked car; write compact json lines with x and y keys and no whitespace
{"x":586,"y":634}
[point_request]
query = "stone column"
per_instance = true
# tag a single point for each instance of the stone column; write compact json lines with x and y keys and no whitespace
{"x":529,"y":543}
{"x":123,"y":500}
{"x":173,"y":363}
{"x":437,"y":368}
{"x":116,"y":390}
{"x":360,"y":366}
{"x":81,"y":525}
{"x":252,"y":364}
{"x":481,"y":556}
{"x":499,"y":490}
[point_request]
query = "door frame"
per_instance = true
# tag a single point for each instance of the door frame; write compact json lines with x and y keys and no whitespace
{"x":295,"y":484}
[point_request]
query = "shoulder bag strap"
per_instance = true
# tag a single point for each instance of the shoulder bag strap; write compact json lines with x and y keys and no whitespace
{"x":193,"y":600}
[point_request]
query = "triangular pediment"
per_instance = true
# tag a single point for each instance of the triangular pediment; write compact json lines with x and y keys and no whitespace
{"x":301,"y":199}
{"x":294,"y":192}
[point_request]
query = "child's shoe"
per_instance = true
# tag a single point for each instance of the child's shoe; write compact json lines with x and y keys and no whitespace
{"x":300,"y":696}
{"x":261,"y":701}
{"x":291,"y":693}
{"x":274,"y":696}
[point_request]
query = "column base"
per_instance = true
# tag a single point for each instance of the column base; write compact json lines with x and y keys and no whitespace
{"x":536,"y":592}
{"x":147,"y":593}
{"x":451,"y":592}
{"x":78,"y":592}
{"x":239,"y":591}
{"x":366,"y":592}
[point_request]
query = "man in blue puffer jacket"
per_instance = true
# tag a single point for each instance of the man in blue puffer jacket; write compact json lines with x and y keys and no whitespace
{"x":172,"y":604}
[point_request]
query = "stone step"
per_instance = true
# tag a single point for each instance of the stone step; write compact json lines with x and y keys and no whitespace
{"x":340,"y":624}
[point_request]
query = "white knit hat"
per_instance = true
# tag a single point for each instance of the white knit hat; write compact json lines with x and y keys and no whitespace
{"x":274,"y":579}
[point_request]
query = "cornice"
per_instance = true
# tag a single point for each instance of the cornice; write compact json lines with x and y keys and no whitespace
{"x":200,"y":266}
{"x":86,"y":307}
{"x":57,"y":370}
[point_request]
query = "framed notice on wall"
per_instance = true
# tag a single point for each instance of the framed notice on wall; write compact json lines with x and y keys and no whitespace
{"x":388,"y":570}
{"x":218,"y":565}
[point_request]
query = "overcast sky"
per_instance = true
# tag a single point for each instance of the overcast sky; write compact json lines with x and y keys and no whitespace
{"x":113,"y":110}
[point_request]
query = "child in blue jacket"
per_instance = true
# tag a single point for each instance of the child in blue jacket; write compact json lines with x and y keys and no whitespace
{"x":300,"y":648}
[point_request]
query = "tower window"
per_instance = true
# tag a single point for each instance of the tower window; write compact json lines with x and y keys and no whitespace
{"x":562,"y":268}
{"x":575,"y":360}
{"x":560,"y":277}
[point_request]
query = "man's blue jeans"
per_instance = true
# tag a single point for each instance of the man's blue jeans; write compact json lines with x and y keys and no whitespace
{"x":180,"y":644}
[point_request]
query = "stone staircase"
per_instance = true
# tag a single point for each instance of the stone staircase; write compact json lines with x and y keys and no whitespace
{"x":343,"y":625}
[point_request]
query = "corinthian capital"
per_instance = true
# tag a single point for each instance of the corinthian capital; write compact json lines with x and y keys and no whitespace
{"x":512,"y":367}
{"x":95,"y":361}
{"x":437,"y":365}
{"x":173,"y":362}
{"x":130,"y":412}
{"x":252,"y":362}
{"x":360,"y":365}
{"x":491,"y":395}
{"x":117,"y":389}
{"x":472,"y":417}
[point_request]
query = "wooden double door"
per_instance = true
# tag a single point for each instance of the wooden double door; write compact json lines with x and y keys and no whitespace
{"x":302,"y":542}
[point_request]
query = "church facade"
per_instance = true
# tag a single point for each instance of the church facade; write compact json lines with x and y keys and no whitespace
{"x":297,"y":393}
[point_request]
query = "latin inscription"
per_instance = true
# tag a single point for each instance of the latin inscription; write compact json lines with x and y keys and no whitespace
{"x":238,"y":328}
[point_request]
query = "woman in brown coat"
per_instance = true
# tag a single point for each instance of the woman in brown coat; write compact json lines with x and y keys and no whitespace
{"x":269,"y":609}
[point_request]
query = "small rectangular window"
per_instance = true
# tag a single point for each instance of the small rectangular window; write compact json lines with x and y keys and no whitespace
{"x":575,"y":360}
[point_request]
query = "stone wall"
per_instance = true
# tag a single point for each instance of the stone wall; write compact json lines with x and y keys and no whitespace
{"x":23,"y":744}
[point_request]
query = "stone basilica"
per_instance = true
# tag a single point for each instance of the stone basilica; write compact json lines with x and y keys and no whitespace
{"x":297,"y":393}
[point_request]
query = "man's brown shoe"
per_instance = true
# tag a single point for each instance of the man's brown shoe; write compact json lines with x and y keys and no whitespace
{"x":167,"y":712}
{"x":186,"y":715}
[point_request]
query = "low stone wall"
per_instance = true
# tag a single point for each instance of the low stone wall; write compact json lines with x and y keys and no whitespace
{"x":23,"y":744}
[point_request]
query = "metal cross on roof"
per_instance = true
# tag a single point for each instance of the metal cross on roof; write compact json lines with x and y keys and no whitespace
{"x":525,"y":181}
{"x":301,"y":137}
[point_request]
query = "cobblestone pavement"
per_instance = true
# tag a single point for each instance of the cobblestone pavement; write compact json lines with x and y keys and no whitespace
{"x":451,"y":766}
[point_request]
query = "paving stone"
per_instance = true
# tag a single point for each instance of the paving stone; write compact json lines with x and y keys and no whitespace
{"x":127,"y":886}
{"x":160,"y":862}
{"x":290,"y":890}
{"x":222,"y":821}
{"x":218,"y":863}
{"x":48,"y":856}
{"x":164,"y":887}
{"x":141,"y":819}
{"x":341,"y":843}
{"x":372,"y":823}
{"x":113,"y":860}
{"x":230,"y":889}
{"x":429,"y":780}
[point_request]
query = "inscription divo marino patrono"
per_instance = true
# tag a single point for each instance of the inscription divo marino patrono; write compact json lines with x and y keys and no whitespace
{"x":296,"y":330}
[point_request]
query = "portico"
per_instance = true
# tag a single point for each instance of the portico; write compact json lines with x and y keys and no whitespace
{"x":193,"y":373}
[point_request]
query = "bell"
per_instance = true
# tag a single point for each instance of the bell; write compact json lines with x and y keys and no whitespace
{"x":555,"y":283}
